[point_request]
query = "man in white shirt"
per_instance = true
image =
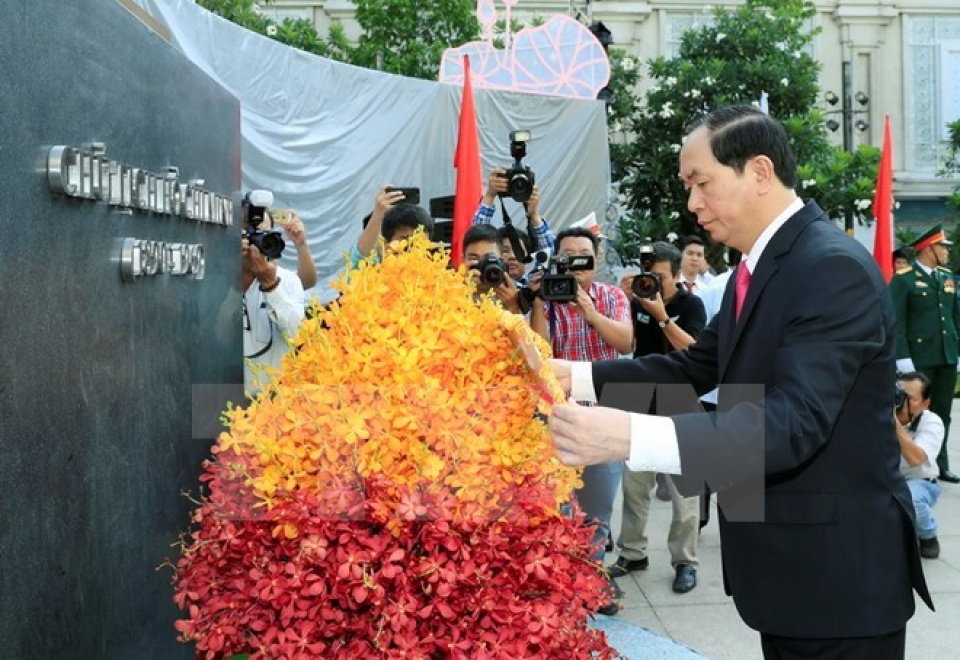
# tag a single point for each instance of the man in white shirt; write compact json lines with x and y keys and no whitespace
{"x":920,"y":432}
{"x":273,"y":307}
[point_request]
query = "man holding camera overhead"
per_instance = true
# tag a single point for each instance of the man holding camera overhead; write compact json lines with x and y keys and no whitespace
{"x":273,"y":298}
{"x":666,"y":318}
{"x":594,"y":324}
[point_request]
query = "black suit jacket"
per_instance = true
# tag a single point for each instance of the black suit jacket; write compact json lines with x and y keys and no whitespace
{"x":835,"y":555}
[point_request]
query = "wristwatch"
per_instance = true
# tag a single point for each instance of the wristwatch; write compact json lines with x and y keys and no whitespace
{"x":665,"y":322}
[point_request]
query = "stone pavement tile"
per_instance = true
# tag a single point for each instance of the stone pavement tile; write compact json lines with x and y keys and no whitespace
{"x":715,"y":630}
{"x":935,"y":635}
{"x":642,"y":615}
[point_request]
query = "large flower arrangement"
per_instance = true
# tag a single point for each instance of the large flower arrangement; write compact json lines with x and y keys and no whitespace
{"x":391,"y":492}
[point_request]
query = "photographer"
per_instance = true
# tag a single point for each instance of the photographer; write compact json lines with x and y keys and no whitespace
{"x":273,"y":299}
{"x":666,"y":318}
{"x":920,"y":432}
{"x":594,"y":326}
{"x":482,"y":252}
{"x":393,"y":219}
{"x":540,"y":235}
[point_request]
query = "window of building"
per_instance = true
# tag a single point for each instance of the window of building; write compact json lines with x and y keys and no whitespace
{"x":932,"y":88}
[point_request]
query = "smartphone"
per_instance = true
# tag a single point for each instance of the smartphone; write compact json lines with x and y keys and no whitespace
{"x":281,"y":216}
{"x":410,"y":195}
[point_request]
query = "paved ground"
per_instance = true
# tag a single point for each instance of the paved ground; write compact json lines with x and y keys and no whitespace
{"x":706,"y":620}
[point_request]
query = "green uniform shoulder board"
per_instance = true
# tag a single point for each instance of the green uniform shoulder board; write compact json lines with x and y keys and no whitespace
{"x":945,"y":269}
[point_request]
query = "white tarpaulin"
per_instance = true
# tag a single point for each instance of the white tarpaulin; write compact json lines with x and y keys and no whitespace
{"x":325,"y":136}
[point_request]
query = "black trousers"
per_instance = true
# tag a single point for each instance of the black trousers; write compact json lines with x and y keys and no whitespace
{"x":883,"y":647}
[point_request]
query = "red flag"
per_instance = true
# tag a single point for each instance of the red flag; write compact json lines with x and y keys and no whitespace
{"x":467,"y":163}
{"x":883,"y":207}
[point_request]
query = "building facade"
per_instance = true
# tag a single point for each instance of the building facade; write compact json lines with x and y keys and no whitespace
{"x":902,"y":56}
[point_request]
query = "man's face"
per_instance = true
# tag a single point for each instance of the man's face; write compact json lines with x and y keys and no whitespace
{"x":900,"y":263}
{"x":668,"y":281}
{"x":692,"y":261}
{"x":514,"y":267}
{"x":941,"y":252}
{"x":473,"y":253}
{"x":719,"y":196}
{"x":916,"y":404}
{"x":579,"y":246}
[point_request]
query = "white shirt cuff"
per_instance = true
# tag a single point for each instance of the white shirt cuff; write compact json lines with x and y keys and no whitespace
{"x":581,"y":382}
{"x":905,"y":365}
{"x":653,"y":445}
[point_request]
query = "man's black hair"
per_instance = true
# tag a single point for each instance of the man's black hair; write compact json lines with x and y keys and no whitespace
{"x":478,"y":233}
{"x":405,"y":215}
{"x":741,"y":132}
{"x":664,"y":252}
{"x":579,"y":232}
{"x":691,"y":239}
{"x":925,"y":384}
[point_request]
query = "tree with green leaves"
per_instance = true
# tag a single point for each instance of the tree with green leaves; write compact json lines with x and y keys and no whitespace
{"x":760,"y":47}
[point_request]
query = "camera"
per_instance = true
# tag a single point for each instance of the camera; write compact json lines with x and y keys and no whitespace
{"x":900,"y":397}
{"x":646,"y":284}
{"x":492,"y":269}
{"x":255,"y":205}
{"x":558,"y":285}
{"x":520,"y":179}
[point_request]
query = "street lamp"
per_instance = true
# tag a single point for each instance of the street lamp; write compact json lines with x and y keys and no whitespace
{"x":848,"y":114}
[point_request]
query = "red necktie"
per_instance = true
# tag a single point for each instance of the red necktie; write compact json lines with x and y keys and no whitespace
{"x":689,"y":286}
{"x":743,"y":283}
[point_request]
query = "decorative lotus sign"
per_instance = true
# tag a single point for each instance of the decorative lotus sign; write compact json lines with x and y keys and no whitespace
{"x":559,"y":58}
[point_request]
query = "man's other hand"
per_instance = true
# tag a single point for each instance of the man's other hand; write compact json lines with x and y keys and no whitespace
{"x":589,"y":435}
{"x":562,"y":369}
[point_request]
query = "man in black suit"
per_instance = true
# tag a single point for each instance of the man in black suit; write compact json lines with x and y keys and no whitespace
{"x":828,"y":567}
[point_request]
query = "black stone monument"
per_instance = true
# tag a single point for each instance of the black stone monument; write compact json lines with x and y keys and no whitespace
{"x":111,"y":315}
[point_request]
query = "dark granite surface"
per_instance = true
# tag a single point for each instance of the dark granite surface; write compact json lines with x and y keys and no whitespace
{"x":96,"y":375}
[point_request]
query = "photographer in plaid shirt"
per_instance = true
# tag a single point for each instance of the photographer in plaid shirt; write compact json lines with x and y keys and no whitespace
{"x":596,"y":326}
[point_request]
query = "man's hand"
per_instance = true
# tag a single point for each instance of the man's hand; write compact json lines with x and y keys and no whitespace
{"x":584,"y":306}
{"x":256,"y":264}
{"x":496,"y":184}
{"x":589,"y":436}
{"x":626,"y":285}
{"x":530,"y":206}
{"x":563,"y":371}
{"x":654,"y":307}
{"x":293,"y":227}
{"x":386,"y":200}
{"x":509,"y":295}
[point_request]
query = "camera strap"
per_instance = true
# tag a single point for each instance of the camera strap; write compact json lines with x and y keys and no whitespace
{"x":515,"y":243}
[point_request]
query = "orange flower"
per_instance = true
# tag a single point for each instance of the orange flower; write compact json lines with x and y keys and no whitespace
{"x":409,"y":379}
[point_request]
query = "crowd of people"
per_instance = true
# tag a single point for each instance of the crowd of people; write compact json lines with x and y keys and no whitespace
{"x":807,"y":316}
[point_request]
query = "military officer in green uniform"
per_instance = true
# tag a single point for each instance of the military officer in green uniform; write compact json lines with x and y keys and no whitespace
{"x":928,"y":318}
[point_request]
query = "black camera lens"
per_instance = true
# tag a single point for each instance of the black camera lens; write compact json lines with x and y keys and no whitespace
{"x":646,"y":285}
{"x":492,"y":270}
{"x":270,"y":243}
{"x":520,"y":187}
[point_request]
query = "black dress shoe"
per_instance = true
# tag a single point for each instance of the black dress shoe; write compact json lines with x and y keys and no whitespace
{"x":686,"y":578}
{"x":663,"y":491}
{"x":949,"y":477}
{"x":613,"y":594}
{"x":623,"y":566}
{"x":930,"y":548}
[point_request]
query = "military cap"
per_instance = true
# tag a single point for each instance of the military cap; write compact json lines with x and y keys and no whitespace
{"x":930,"y":237}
